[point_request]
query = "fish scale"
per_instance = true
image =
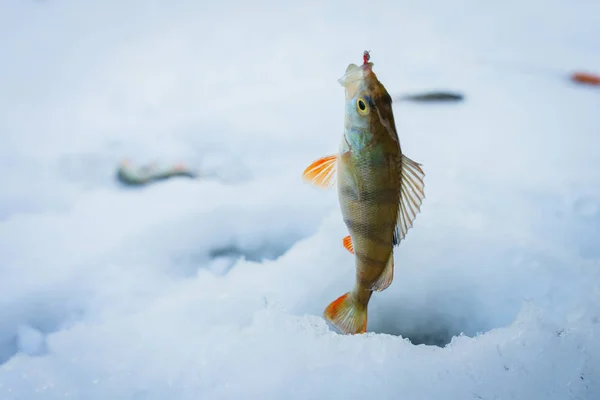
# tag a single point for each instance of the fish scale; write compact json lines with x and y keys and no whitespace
{"x":369,"y":216}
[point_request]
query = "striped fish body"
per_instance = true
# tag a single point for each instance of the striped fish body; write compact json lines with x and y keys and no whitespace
{"x":369,"y":193}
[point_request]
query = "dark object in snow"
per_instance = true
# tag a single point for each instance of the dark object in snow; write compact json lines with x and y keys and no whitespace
{"x":432,"y":96}
{"x":137,"y":176}
{"x":586,"y":78}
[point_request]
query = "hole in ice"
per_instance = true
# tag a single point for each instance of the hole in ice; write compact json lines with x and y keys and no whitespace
{"x":433,"y":320}
{"x":432,"y":331}
{"x":25,"y":325}
{"x":23,"y":339}
{"x":220,"y":259}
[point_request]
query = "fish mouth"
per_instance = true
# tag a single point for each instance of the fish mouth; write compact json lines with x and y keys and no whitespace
{"x":354,"y":73}
{"x":353,"y":77}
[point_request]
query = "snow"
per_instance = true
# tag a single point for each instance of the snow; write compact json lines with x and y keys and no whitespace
{"x":215,"y":288}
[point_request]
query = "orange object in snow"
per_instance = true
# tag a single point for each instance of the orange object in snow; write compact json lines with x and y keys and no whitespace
{"x":586,"y":78}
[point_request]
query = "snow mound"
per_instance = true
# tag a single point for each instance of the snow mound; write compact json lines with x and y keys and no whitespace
{"x":215,"y":288}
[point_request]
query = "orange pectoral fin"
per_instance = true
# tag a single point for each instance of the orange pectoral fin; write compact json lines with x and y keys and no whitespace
{"x":321,"y":173}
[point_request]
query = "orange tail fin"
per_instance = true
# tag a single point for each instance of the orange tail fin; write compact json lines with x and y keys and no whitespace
{"x":347,"y":315}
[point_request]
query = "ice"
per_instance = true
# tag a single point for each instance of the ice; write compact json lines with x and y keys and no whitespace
{"x":31,"y":341}
{"x":215,"y":288}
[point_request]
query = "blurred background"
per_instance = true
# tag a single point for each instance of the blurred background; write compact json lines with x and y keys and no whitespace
{"x":215,"y":286}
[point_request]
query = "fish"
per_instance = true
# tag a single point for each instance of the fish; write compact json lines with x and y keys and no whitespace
{"x":130,"y":175}
{"x":380,"y":192}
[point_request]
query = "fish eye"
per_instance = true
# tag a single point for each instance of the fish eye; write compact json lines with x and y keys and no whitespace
{"x":361,"y":106}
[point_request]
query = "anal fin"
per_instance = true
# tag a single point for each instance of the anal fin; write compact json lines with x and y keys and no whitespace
{"x":387,"y":276}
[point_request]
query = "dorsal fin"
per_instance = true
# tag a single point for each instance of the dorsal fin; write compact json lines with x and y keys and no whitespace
{"x":411,"y":196}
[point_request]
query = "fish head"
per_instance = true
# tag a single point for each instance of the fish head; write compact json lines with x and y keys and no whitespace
{"x":368,"y":110}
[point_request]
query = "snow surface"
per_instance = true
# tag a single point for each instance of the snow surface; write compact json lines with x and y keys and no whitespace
{"x":214,"y":289}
